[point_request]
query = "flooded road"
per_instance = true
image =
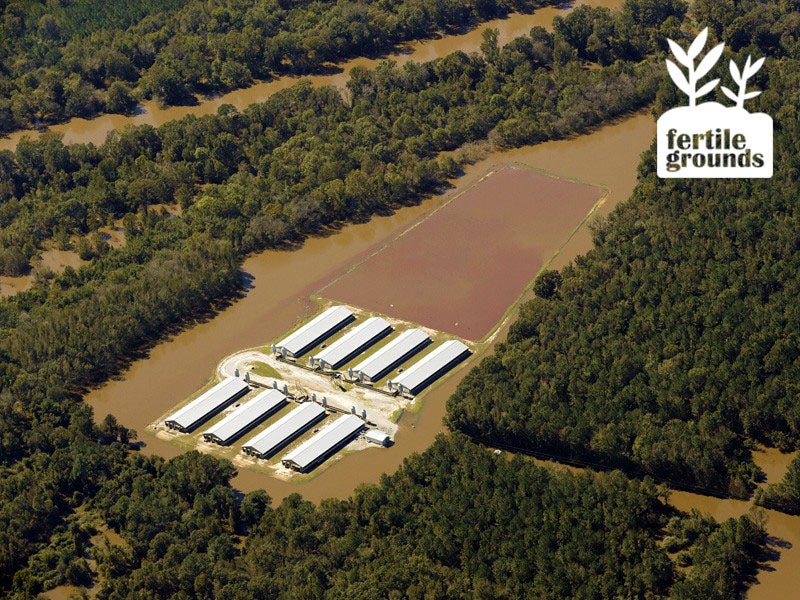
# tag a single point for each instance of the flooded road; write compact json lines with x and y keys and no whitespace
{"x":95,"y":130}
{"x":282,"y":282}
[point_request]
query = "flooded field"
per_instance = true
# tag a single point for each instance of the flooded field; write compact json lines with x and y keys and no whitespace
{"x":95,"y":130}
{"x":461,"y":268}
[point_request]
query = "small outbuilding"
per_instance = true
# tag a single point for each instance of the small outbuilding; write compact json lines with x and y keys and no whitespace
{"x":376,"y":436}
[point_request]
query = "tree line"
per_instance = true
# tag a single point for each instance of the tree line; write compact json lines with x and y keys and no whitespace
{"x":80,"y":58}
{"x":453,"y":522}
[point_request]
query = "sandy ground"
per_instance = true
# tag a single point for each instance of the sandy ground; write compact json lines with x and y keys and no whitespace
{"x":302,"y":382}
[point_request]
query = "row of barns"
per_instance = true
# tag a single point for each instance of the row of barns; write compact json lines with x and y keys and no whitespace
{"x":279,"y":434}
{"x":359,"y":338}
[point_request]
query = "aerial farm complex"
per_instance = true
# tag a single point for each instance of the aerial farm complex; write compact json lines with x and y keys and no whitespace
{"x":337,"y":381}
{"x":343,"y":379}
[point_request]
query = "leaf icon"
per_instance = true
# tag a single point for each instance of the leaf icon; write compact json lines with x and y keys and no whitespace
{"x":688,"y":83}
{"x":679,"y":78}
{"x":753,"y":69}
{"x":682,"y":57}
{"x":698,"y":44}
{"x":741,"y":78}
{"x":729,"y":93}
{"x":735,"y":73}
{"x":709,"y":60}
{"x":706,"y":88}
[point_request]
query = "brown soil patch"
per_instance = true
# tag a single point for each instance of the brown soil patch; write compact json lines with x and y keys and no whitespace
{"x":460,"y":269}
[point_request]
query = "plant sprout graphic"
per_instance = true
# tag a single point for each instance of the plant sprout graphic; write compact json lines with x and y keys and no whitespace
{"x":688,"y":85}
{"x":741,"y":78}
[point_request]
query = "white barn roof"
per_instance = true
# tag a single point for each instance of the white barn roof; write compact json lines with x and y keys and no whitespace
{"x":316,"y":330}
{"x":351,"y":343}
{"x":330,"y":437}
{"x":376,"y":436}
{"x":207,"y":404}
{"x":405,"y":345}
{"x":430,"y":367}
{"x":284,"y":430}
{"x":245,"y":417}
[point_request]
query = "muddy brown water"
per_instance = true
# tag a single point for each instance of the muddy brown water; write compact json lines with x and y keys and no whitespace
{"x":51,"y":259}
{"x":95,"y":130}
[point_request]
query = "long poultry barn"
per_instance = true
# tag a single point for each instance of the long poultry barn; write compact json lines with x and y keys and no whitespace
{"x":403,"y":347}
{"x":352,"y":343}
{"x":329,"y":439}
{"x":312,"y":333}
{"x":429,"y":368}
{"x":244,"y":418}
{"x":283,"y":431}
{"x":207,"y":404}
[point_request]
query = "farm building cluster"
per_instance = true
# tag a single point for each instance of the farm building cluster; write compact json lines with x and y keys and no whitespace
{"x":249,"y":414}
{"x":238,"y":405}
{"x":373,"y":367}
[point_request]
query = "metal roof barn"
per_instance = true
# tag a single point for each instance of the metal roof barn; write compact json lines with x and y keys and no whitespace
{"x":376,"y":436}
{"x":430,"y":367}
{"x":312,"y":333}
{"x":284,"y":430}
{"x":244,"y":418}
{"x":352,"y":343}
{"x":207,"y":404}
{"x":392,"y":354}
{"x":328,"y":440}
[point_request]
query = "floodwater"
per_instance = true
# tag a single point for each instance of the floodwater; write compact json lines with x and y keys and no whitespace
{"x":777,"y":578}
{"x":51,"y":259}
{"x":283,"y":281}
{"x":95,"y":130}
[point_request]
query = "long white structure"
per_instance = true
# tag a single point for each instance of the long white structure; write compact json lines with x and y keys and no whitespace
{"x":429,"y":368}
{"x":392,"y":354}
{"x":318,"y":448}
{"x":207,"y":404}
{"x":352,"y":343}
{"x":284,"y":430}
{"x":244,"y":418}
{"x":312,"y":333}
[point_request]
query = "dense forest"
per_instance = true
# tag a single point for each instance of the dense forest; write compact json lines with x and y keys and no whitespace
{"x":455,"y":521}
{"x":672,"y":346}
{"x":77,"y":58}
